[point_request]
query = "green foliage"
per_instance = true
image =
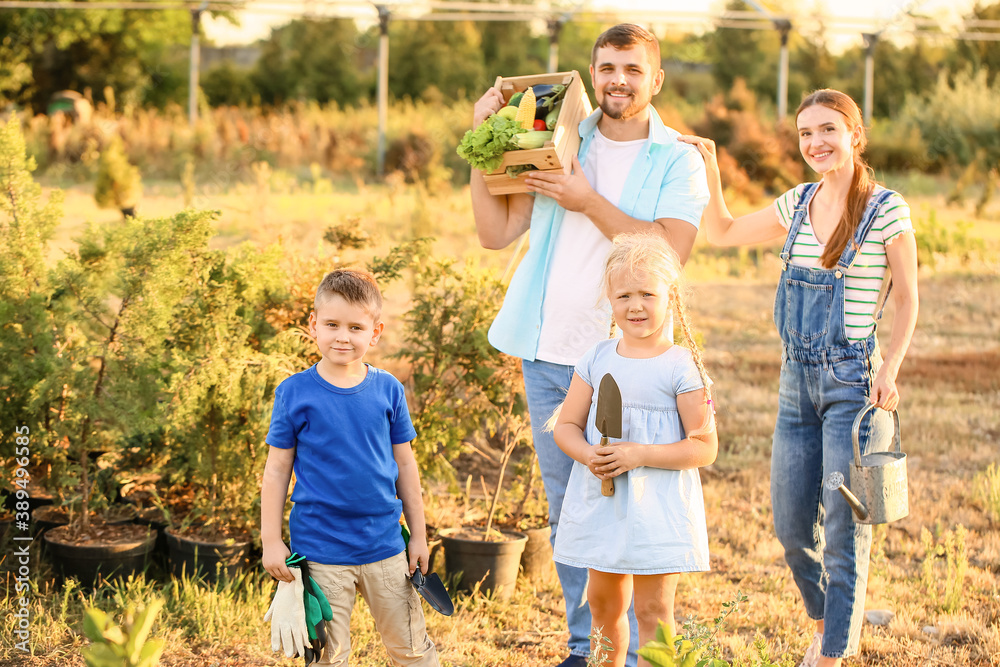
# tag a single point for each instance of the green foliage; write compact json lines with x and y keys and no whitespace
{"x":226,"y":85}
{"x":226,"y":363}
{"x":119,"y":184}
{"x":981,"y":55}
{"x":510,"y":49}
{"x":698,"y":647}
{"x":27,"y":223}
{"x":436,"y":60}
{"x":45,"y":51}
{"x":125,"y":645}
{"x":958,"y":119}
{"x":602,"y":648}
{"x":314,"y":59}
{"x":453,"y":366}
{"x":946,"y":591}
{"x":935,"y":239}
{"x":113,"y":303}
{"x":986,"y":489}
{"x":484,"y":146}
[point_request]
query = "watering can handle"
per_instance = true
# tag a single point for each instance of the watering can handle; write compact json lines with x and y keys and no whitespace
{"x":857,"y":426}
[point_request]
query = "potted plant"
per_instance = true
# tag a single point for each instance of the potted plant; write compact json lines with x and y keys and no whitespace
{"x":485,"y":556}
{"x":462,"y":386}
{"x":27,"y":352}
{"x":113,"y":300}
{"x":530,"y":515}
{"x":225,"y":370}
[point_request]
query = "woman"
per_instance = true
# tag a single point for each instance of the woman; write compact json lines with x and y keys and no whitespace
{"x":845,"y":237}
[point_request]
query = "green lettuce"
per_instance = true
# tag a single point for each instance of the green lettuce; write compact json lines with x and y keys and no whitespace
{"x":483,"y":147}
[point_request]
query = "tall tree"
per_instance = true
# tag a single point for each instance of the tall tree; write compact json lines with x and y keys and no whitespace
{"x":44,"y":51}
{"x":981,"y":54}
{"x":445,"y":56}
{"x":310,"y":59}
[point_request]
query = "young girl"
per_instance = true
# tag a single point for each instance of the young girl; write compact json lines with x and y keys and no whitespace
{"x":840,"y":234}
{"x":653,"y":527}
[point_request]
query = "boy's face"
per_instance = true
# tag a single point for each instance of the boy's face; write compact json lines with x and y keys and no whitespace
{"x":343,"y":331}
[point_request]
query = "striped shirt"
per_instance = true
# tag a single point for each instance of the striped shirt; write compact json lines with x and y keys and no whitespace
{"x":864,"y":279}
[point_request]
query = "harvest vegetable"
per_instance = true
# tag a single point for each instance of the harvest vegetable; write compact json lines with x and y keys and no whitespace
{"x":483,"y":147}
{"x":532,"y":139}
{"x":551,"y":118}
{"x":526,"y":110}
{"x":539,"y":125}
{"x":508,"y":112}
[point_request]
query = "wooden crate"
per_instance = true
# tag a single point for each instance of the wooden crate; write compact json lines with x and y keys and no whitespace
{"x":556,"y":155}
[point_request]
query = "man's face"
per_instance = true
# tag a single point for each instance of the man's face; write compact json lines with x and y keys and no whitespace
{"x":624,"y":81}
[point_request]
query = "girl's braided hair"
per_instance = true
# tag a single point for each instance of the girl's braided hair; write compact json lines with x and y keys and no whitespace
{"x":638,"y":253}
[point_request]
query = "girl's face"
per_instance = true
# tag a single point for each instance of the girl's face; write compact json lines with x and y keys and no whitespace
{"x":640,"y":304}
{"x":826,"y":143}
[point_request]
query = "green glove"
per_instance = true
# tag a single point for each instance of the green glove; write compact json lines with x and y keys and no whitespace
{"x":317,"y":609}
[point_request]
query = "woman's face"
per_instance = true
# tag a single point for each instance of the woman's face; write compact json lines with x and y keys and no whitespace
{"x":826,"y":142}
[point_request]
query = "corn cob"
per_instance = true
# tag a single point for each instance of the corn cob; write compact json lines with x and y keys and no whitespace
{"x":526,"y":110}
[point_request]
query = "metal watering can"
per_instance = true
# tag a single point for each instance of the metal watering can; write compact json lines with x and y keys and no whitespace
{"x":878,"y":480}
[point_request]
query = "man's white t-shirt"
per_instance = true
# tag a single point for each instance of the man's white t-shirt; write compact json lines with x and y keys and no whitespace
{"x":573,"y":316}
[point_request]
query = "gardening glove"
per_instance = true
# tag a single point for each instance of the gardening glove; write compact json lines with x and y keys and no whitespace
{"x":317,"y":609}
{"x":288,"y":617}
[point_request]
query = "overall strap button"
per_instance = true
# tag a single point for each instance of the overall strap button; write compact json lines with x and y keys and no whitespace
{"x":838,"y":274}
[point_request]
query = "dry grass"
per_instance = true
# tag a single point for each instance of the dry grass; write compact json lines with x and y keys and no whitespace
{"x":951,"y":402}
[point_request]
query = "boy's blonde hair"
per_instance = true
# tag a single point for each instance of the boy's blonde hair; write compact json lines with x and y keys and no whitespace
{"x":356,"y":287}
{"x":645,"y":253}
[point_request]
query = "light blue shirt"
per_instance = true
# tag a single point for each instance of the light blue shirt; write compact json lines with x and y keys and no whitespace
{"x":667,"y":180}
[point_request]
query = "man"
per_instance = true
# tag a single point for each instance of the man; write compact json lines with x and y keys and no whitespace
{"x":631,"y":174}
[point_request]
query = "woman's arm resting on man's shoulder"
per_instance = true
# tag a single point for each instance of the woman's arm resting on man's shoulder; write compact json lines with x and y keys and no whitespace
{"x":721,"y":228}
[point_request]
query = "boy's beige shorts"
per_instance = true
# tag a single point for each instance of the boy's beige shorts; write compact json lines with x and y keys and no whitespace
{"x":394,"y":604}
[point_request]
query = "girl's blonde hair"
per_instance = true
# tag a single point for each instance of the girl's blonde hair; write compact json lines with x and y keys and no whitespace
{"x":645,"y":253}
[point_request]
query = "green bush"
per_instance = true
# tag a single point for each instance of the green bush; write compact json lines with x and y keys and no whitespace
{"x":119,"y":184}
{"x":897,"y":147}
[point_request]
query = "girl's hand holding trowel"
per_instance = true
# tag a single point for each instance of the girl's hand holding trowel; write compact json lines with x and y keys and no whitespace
{"x":614,"y":459}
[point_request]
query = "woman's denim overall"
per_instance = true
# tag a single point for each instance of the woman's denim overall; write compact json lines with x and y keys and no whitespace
{"x":825,"y":382}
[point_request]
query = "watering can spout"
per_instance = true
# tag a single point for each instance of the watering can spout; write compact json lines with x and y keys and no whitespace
{"x":835,"y":481}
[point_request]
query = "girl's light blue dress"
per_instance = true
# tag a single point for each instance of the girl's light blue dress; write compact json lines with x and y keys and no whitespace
{"x":655,"y":521}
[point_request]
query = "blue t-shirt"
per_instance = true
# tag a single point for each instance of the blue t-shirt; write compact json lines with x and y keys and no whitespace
{"x":346,"y":511}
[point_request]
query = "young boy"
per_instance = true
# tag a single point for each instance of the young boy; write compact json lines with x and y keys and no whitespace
{"x":344,"y":428}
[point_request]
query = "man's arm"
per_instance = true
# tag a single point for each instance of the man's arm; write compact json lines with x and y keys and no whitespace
{"x":574,"y":193}
{"x":499,"y":218}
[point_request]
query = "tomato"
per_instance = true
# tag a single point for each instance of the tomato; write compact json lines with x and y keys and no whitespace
{"x":539,"y":124}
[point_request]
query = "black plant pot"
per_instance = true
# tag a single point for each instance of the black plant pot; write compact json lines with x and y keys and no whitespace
{"x":492,"y":565}
{"x":194,"y":557}
{"x":154,"y":518}
{"x":90,"y":562}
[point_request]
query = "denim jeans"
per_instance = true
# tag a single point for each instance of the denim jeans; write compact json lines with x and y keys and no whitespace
{"x":826,"y":550}
{"x":545,"y":386}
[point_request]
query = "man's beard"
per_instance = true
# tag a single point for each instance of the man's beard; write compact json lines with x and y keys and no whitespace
{"x":633,"y":107}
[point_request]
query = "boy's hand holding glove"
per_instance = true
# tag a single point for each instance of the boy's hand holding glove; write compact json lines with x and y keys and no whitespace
{"x":288,"y":617}
{"x":297,"y":614}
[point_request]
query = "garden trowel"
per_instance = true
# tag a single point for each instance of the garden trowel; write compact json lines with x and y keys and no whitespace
{"x":432,"y":589}
{"x":609,"y":420}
